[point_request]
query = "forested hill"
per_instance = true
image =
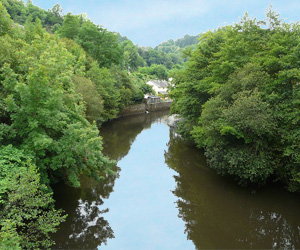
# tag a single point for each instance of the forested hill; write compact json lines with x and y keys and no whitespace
{"x":109,"y":48}
{"x":170,"y":52}
{"x":168,"y":56}
{"x":19,"y":13}
{"x":239,"y":99}
{"x":178,"y":44}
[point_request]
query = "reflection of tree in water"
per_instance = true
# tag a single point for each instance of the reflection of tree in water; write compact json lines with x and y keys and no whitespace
{"x":119,"y":134}
{"x":85,"y":227}
{"x":276,"y":226}
{"x":219,"y":214}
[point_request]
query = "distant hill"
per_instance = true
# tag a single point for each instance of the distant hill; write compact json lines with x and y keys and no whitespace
{"x":179,"y":44}
{"x":170,"y":53}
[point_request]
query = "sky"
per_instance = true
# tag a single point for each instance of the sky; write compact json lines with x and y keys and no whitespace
{"x":150,"y":22}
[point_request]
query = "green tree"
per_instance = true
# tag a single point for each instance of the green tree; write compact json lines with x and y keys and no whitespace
{"x":93,"y":100}
{"x":106,"y":85}
{"x":66,"y":145}
{"x":100,"y":44}
{"x":16,"y":10}
{"x":5,"y":21}
{"x":33,"y":29}
{"x":129,"y":93}
{"x":27,"y":216}
{"x":70,"y":26}
{"x":155,"y":71}
{"x":235,"y":95}
{"x":147,"y":89}
{"x":132,"y":59}
{"x":35,"y":12}
{"x":241,"y":139}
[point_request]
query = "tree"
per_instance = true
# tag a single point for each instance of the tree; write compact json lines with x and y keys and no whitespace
{"x":16,"y":10}
{"x":54,"y":16}
{"x":156,"y":71}
{"x":93,"y":100}
{"x":147,"y":89}
{"x":66,"y":145}
{"x":70,"y":27}
{"x":273,"y":18}
{"x":100,"y":44}
{"x":27,"y":215}
{"x":57,"y":10}
{"x":35,"y":12}
{"x":33,"y":29}
{"x":5,"y":21}
{"x":132,"y":59}
{"x":235,"y":95}
{"x":239,"y":140}
{"x":106,"y":85}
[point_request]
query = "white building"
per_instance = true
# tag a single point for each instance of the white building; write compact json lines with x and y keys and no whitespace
{"x":159,"y":86}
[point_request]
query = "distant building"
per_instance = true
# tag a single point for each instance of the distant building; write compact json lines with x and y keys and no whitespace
{"x":159,"y":86}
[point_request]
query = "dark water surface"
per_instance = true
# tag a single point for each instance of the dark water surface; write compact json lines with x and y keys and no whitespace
{"x":165,"y":197}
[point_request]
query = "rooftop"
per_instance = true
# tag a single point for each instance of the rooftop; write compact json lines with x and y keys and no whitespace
{"x":159,"y":83}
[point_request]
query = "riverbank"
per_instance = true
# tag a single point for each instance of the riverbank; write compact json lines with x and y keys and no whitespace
{"x":145,"y":107}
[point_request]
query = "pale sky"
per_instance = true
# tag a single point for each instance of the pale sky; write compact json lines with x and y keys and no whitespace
{"x":150,"y":22}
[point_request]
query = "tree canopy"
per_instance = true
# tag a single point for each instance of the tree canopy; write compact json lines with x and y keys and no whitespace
{"x":238,"y":97}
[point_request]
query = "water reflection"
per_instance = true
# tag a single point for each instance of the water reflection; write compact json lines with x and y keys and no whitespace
{"x":85,"y":227}
{"x":143,"y":212}
{"x":219,"y":214}
{"x":214,"y":211}
{"x":119,"y":135}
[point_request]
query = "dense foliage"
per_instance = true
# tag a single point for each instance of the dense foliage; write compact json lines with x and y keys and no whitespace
{"x":19,"y":12}
{"x":167,"y":57}
{"x":239,"y":99}
{"x":27,"y":216}
{"x":169,"y":53}
{"x":95,"y":40}
{"x":45,"y":83}
{"x":95,"y":50}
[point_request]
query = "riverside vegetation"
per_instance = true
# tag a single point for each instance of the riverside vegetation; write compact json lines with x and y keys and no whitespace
{"x":239,"y":99}
{"x":61,"y":76}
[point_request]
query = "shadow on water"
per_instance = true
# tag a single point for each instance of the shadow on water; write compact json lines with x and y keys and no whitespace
{"x":219,"y":214}
{"x":85,"y":227}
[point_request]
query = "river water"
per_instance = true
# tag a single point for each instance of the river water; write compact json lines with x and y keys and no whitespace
{"x":164,"y":196}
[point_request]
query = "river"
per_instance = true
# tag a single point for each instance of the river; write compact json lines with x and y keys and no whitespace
{"x":164,"y":196}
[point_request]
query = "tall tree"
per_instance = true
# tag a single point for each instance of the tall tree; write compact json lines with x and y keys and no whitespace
{"x":70,"y":27}
{"x":5,"y":21}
